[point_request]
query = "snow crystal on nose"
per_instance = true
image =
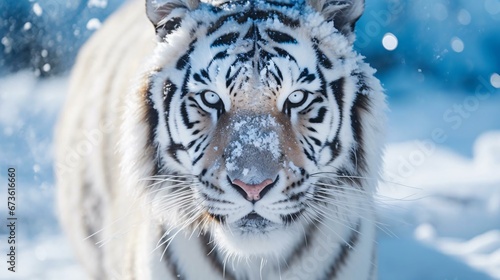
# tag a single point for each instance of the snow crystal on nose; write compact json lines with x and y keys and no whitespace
{"x":255,"y":141}
{"x":258,"y":132}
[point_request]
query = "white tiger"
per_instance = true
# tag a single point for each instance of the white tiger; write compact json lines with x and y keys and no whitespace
{"x":244,"y":142}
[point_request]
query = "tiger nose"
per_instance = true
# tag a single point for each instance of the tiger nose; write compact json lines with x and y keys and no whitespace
{"x":250,"y":191}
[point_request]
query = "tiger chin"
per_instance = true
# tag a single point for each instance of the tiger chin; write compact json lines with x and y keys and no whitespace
{"x":222,"y":140}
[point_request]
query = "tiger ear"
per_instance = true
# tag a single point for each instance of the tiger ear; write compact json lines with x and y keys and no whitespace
{"x":344,"y":14}
{"x":166,"y":14}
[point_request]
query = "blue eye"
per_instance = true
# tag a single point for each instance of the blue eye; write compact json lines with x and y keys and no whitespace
{"x":295,"y":100}
{"x":213,"y":101}
{"x":297,"y":97}
{"x":210,"y":98}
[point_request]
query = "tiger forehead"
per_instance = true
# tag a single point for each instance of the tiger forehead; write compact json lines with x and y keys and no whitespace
{"x":252,"y":63}
{"x":286,"y":12}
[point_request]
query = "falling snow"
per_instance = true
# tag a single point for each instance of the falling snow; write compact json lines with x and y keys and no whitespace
{"x":464,"y":17}
{"x":37,"y":9}
{"x":492,"y":6}
{"x":93,"y":24}
{"x":430,"y":55}
{"x":27,"y":26}
{"x":390,"y":42}
{"x":97,"y":3}
{"x":457,"y":44}
{"x":495,"y":80}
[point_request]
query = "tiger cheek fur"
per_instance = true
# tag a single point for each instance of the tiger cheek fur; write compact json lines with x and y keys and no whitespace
{"x":250,"y":148}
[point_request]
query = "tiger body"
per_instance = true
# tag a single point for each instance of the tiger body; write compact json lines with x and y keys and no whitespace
{"x":243,"y":141}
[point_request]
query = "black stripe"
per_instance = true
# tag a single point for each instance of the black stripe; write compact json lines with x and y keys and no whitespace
{"x":218,"y":56}
{"x":276,"y":79}
{"x":253,"y":15}
{"x":169,"y":261}
{"x":318,"y":99}
{"x":169,"y":90}
{"x":213,"y":257}
{"x":315,"y":140}
{"x":288,"y":219}
{"x":312,"y":129}
{"x":283,"y":53}
{"x":191,"y":144}
{"x":306,"y":77}
{"x":360,"y":106}
{"x":303,"y":246}
{"x":197,"y":77}
{"x":354,"y":178}
{"x":307,"y":154}
{"x":221,"y":219}
{"x":280,"y":75}
{"x":169,"y":26}
{"x":226,"y":39}
{"x":185,"y":89}
{"x":230,"y":80}
{"x":184,"y":60}
{"x":363,"y":88}
{"x":173,"y":148}
{"x":281,"y":4}
{"x":205,"y":75}
{"x":280,"y":37}
{"x":337,"y":88}
{"x":349,"y":178}
{"x":268,"y":14}
{"x":253,"y":33}
{"x":152,"y":119}
{"x":345,"y":250}
{"x":335,"y":148}
{"x":199,"y":157}
{"x":219,"y":23}
{"x":185,"y":117}
{"x":320,"y":117}
{"x":201,"y":142}
{"x":338,"y":92}
{"x":322,"y":58}
{"x":322,"y":80}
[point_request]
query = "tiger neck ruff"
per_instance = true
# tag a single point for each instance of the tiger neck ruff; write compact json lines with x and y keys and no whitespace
{"x":235,"y":139}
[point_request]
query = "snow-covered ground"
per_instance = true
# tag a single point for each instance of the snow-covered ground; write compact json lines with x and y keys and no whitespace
{"x":442,"y":211}
{"x":439,"y":210}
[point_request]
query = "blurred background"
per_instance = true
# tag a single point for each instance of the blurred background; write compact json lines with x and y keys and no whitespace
{"x":439,"y":61}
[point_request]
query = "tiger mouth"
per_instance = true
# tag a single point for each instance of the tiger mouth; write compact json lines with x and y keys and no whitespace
{"x":254,"y":222}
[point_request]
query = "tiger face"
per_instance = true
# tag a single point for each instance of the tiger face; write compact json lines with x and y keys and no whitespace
{"x":257,"y":115}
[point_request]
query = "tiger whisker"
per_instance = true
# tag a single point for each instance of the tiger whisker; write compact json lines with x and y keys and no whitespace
{"x":382,"y":226}
{"x":340,"y":190}
{"x":181,"y":228}
{"x":159,"y":182}
{"x":336,"y":175}
{"x":325,"y":225}
{"x":326,"y":216}
{"x":172,"y":176}
{"x":387,"y":198}
{"x":334,"y":202}
{"x":359,"y":215}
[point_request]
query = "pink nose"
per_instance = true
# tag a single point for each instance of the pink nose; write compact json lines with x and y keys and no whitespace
{"x":253,"y":192}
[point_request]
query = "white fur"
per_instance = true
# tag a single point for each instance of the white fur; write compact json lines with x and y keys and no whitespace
{"x":134,"y":215}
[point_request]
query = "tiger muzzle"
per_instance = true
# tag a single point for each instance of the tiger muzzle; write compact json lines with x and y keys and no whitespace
{"x":253,"y":154}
